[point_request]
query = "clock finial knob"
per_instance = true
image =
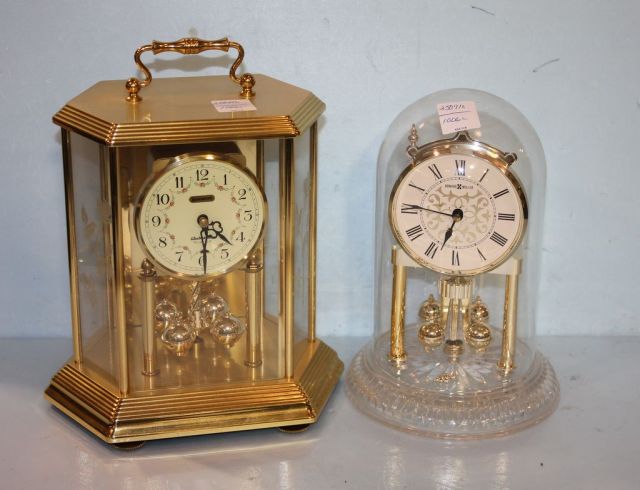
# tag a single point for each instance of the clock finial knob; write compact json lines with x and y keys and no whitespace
{"x":412,"y":149}
{"x":133,"y":87}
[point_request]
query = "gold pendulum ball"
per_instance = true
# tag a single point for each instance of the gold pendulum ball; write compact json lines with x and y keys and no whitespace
{"x":479,"y":335}
{"x":431,"y":334}
{"x":430,"y":310}
{"x":478,"y":312}
{"x":227,"y":329}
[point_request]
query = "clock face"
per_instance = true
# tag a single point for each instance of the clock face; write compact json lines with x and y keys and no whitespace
{"x":458,"y":213}
{"x":201,"y":216}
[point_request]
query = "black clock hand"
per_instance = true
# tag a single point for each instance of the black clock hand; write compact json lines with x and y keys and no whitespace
{"x":409,"y":207}
{"x":203,"y":221}
{"x":216,"y":228}
{"x":457,"y":215}
{"x":448,"y":234}
{"x":224,"y":238}
{"x":204,"y":237}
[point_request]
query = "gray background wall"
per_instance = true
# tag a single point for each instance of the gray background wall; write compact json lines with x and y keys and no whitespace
{"x":572,"y":67}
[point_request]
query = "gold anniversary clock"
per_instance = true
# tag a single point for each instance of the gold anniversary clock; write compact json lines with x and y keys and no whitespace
{"x":457,"y":268}
{"x":191,"y":210}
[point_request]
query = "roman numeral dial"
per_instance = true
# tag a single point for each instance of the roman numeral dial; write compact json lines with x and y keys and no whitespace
{"x":458,"y":213}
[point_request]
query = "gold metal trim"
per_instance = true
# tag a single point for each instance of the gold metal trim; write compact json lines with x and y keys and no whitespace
{"x":313,"y":225}
{"x":507,"y":361}
{"x":397,"y":352}
{"x":287,"y":215}
{"x":72,"y":248}
{"x":221,"y":408}
{"x":461,"y":144}
{"x":255,"y":283}
{"x":141,"y":132}
{"x":118,"y":225}
{"x":173,"y":163}
{"x":189,"y":45}
{"x":148,"y":278}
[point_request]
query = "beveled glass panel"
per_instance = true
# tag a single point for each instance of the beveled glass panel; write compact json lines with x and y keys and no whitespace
{"x":91,"y":201}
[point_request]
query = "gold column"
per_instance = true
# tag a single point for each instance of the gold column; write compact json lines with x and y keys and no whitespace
{"x":72,"y":248}
{"x":115,"y":250}
{"x":148,"y":278}
{"x":313,"y":204}
{"x":254,"y":312}
{"x":254,"y":284}
{"x":287,"y":213}
{"x":507,"y":357}
{"x":397,"y":352}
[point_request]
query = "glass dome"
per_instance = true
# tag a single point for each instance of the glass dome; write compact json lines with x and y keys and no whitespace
{"x":459,"y":210}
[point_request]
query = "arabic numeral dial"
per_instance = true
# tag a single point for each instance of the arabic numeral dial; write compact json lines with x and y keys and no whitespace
{"x":171,"y":206}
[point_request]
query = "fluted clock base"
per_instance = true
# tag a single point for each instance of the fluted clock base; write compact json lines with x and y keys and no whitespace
{"x":228,"y":407}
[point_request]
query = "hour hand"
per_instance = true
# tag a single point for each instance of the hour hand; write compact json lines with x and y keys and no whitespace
{"x":448,"y":234}
{"x":216,"y":228}
{"x":457,"y":215}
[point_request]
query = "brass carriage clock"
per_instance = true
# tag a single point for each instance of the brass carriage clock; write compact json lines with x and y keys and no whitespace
{"x":191,"y":208}
{"x":459,"y":213}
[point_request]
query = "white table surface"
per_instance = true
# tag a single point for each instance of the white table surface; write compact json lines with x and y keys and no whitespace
{"x":591,"y":441}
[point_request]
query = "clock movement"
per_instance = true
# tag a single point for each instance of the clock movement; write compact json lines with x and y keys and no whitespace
{"x":460,"y":202}
{"x":191,"y":211}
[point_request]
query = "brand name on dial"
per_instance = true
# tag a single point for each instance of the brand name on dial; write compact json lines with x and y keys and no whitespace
{"x":458,"y":186}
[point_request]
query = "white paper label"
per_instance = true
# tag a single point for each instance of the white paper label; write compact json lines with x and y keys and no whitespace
{"x":458,"y":116}
{"x":233,"y":105}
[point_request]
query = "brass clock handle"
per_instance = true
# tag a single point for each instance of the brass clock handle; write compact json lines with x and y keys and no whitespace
{"x":189,"y":45}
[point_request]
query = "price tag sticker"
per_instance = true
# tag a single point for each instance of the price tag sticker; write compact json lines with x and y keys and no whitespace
{"x":233,"y":105}
{"x":458,"y":116}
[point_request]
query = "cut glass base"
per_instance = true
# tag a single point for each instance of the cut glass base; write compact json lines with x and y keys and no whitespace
{"x":464,"y":397}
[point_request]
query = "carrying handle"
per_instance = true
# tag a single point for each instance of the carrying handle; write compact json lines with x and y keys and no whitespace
{"x":189,"y":45}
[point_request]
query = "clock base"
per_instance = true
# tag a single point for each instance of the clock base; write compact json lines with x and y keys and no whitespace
{"x":435,"y":397}
{"x":227,"y":407}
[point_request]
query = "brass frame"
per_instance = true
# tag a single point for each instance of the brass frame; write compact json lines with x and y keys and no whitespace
{"x":287,"y":216}
{"x":254,"y":283}
{"x":116,"y":418}
{"x":72,"y":249}
{"x":137,"y":407}
{"x":461,"y":144}
{"x":313,"y":225}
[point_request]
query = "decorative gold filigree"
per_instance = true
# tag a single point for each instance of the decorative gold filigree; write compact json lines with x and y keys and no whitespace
{"x":478,"y":215}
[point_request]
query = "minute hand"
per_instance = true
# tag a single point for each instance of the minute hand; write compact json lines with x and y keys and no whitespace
{"x":410,"y":207}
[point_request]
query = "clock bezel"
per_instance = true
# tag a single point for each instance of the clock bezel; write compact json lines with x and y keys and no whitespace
{"x":461,"y":144}
{"x":173,"y":163}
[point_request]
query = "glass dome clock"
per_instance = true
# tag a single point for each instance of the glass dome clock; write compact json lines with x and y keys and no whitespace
{"x":460,"y":201}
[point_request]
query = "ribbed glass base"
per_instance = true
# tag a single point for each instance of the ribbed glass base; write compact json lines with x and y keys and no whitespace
{"x":459,"y":397}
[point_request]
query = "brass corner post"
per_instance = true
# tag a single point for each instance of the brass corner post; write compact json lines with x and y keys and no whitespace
{"x":118,"y":224}
{"x":72,"y":247}
{"x":509,"y":323}
{"x":287,"y":213}
{"x":313,"y":214}
{"x":148,"y":278}
{"x":397,"y":353}
{"x":254,"y":280}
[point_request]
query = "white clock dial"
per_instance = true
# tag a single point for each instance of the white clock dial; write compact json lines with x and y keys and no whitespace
{"x":201,"y":216}
{"x":458,"y":213}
